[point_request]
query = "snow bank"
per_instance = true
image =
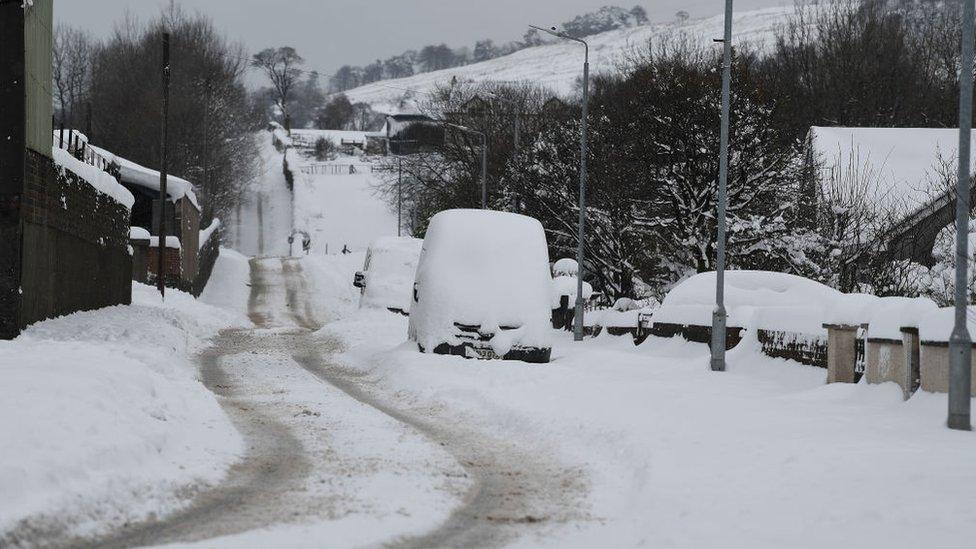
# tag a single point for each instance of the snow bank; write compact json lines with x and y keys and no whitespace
{"x":330,"y":280}
{"x":341,"y":210}
{"x":205,"y":234}
{"x":894,"y":313}
{"x":172,"y":242}
{"x":783,"y":298}
{"x":138,"y":233}
{"x":100,"y":180}
{"x":665,"y":448}
{"x":112,"y":424}
{"x":852,"y":309}
{"x":936,"y":325}
{"x":483,"y":268}
{"x":229,"y":285}
{"x":565,"y":267}
{"x":612,"y":318}
{"x":567,"y":285}
{"x":391,"y":267}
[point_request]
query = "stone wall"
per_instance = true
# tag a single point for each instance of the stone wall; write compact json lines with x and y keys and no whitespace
{"x":695,"y":333}
{"x":75,"y":245}
{"x":209,"y":252}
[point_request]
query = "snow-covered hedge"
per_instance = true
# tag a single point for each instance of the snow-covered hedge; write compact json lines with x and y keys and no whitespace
{"x":787,"y":303}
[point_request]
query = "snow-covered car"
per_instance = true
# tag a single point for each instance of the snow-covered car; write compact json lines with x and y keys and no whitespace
{"x":483,"y":287}
{"x":388,"y":274}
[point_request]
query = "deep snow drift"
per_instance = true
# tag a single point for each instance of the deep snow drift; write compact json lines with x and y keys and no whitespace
{"x":339,"y":209}
{"x":765,"y":454}
{"x":106,"y":422}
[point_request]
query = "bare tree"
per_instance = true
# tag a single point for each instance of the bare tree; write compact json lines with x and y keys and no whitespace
{"x":72,"y":68}
{"x":281,"y":66}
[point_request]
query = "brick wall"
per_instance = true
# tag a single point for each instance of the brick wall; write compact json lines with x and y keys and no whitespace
{"x":75,"y":245}
{"x":171,"y":262}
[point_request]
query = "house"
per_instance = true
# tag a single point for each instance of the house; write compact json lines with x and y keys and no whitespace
{"x":910,"y":170}
{"x":412,"y":133}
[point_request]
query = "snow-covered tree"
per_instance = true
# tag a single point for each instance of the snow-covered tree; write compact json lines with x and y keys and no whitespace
{"x":484,"y":50}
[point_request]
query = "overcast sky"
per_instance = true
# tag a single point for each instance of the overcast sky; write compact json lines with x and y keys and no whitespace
{"x":331,"y":33}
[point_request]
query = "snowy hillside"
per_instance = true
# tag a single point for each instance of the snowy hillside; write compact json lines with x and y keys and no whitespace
{"x":558,"y":65}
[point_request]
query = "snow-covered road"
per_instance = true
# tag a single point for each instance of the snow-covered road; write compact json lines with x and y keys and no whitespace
{"x":330,"y":456}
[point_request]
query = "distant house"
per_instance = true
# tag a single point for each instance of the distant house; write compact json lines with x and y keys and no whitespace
{"x":346,"y":141}
{"x":908,"y":167}
{"x":555,"y":107}
{"x":476,"y":106}
{"x":412,"y":133}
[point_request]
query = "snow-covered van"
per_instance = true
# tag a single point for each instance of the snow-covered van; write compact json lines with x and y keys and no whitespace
{"x":483,"y":287}
{"x":388,"y":273}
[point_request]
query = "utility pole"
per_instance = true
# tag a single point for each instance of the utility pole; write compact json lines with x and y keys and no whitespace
{"x":580,"y":248}
{"x":484,"y":171}
{"x":399,"y":195}
{"x":206,"y":143}
{"x":719,"y":316}
{"x":163,"y":196}
{"x":960,"y":342}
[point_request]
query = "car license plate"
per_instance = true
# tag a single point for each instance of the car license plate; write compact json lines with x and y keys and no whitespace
{"x":483,"y":354}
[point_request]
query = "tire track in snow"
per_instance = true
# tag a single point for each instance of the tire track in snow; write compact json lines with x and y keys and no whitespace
{"x":516,"y":490}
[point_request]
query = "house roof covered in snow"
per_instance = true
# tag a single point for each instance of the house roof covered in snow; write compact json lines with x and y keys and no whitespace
{"x":904,"y":161}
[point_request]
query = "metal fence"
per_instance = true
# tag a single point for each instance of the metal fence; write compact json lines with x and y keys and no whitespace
{"x":335,"y":169}
{"x":77,"y":145}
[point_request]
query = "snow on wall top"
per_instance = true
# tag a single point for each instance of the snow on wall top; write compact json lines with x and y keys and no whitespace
{"x":205,"y":234}
{"x":559,"y":65}
{"x":936,"y":325}
{"x":904,"y":160}
{"x":759,"y":299}
{"x":896,"y":313}
{"x":102,"y":181}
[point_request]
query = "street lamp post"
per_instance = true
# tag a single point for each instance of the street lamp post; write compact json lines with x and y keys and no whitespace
{"x":719,"y":315}
{"x":960,"y":342}
{"x":578,"y":317}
